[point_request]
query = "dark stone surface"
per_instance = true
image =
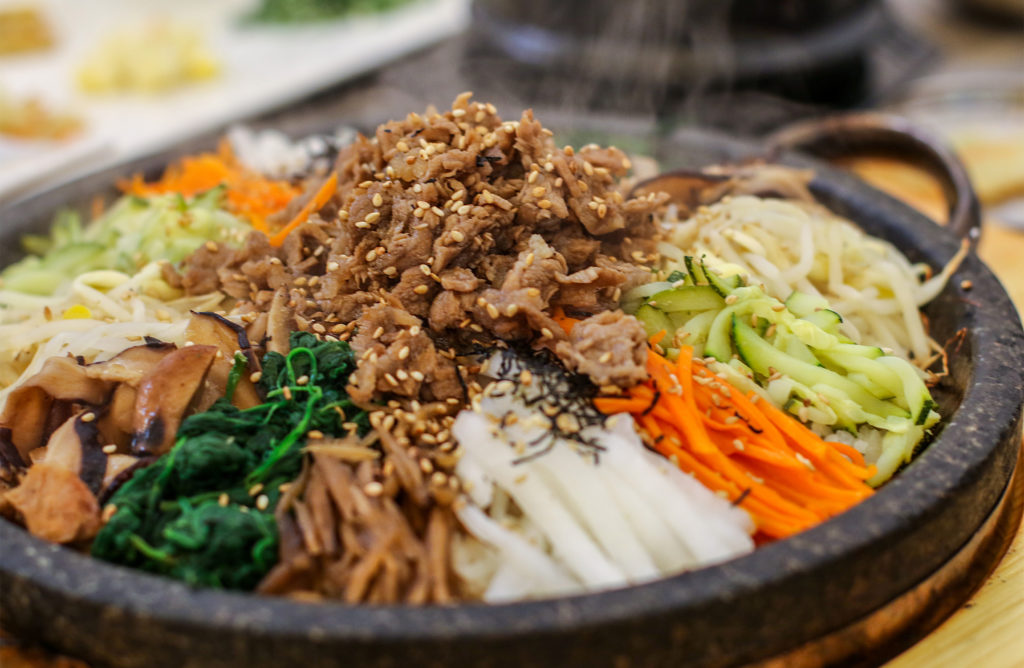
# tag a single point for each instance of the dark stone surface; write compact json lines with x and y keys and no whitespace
{"x":750,"y":608}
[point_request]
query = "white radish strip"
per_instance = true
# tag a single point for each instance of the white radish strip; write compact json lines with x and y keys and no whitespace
{"x":521,"y":555}
{"x":670,"y":554}
{"x":568,"y":540}
{"x":584,"y":490}
{"x":685,"y":520}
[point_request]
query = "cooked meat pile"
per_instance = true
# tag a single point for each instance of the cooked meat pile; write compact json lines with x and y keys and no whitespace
{"x":448,"y":230}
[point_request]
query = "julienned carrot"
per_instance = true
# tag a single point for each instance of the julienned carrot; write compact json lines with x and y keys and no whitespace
{"x":248,"y":193}
{"x":740,"y":446}
{"x":325,"y":193}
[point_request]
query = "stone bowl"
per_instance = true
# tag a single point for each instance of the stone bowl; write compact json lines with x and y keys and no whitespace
{"x":754,"y":609}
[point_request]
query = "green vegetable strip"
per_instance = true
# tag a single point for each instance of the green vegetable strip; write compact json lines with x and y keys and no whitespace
{"x":170,"y":517}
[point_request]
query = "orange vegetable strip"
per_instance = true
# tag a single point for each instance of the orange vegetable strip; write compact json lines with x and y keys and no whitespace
{"x":702,"y":448}
{"x":687,"y":425}
{"x":815,"y":448}
{"x":317,"y":202}
{"x":617,"y":405}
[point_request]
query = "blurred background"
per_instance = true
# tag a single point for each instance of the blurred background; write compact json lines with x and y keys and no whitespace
{"x":84,"y":85}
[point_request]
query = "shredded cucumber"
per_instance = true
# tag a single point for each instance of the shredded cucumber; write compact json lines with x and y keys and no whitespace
{"x":795,"y":351}
{"x":132,"y":233}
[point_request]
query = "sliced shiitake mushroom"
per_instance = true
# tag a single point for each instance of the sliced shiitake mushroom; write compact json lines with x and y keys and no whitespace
{"x":165,"y":395}
{"x":687,"y":188}
{"x":280,"y":323}
{"x":130,"y":365}
{"x":229,"y":337}
{"x":55,"y":504}
{"x":29,"y":410}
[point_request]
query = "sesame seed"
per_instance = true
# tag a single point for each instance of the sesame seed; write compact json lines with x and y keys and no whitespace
{"x":546,"y":333}
{"x":262,"y":502}
{"x":362,"y":224}
{"x":414,"y":330}
{"x":533,"y":292}
{"x":492,"y":311}
{"x":302,"y":380}
{"x":511,"y":310}
{"x":732,"y":299}
{"x":544,"y":204}
{"x":287,"y":392}
{"x":371,"y":256}
{"x":966,"y":284}
{"x":223,"y":499}
{"x":110,"y":449}
{"x":403,"y":353}
{"x":378,"y":200}
{"x":605,"y":358}
{"x":417,"y":375}
{"x":403,"y":147}
{"x":602,"y":210}
{"x":458,"y":236}
{"x":211,"y":246}
{"x":373,"y":488}
{"x":315,"y":434}
{"x":391,"y":379}
{"x":420,"y":289}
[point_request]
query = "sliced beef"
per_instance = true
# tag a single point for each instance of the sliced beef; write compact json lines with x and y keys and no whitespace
{"x":459,"y":220}
{"x":608,"y":347}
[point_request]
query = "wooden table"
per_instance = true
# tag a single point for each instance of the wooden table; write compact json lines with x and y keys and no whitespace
{"x":988,"y":631}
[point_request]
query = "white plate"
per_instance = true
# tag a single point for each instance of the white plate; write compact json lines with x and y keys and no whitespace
{"x":263,"y":66}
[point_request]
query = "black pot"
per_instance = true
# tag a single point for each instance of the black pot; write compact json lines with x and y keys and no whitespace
{"x":807,"y":50}
{"x":751,"y":609}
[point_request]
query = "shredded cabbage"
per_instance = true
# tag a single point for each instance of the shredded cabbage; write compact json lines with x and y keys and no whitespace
{"x":132,"y":233}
